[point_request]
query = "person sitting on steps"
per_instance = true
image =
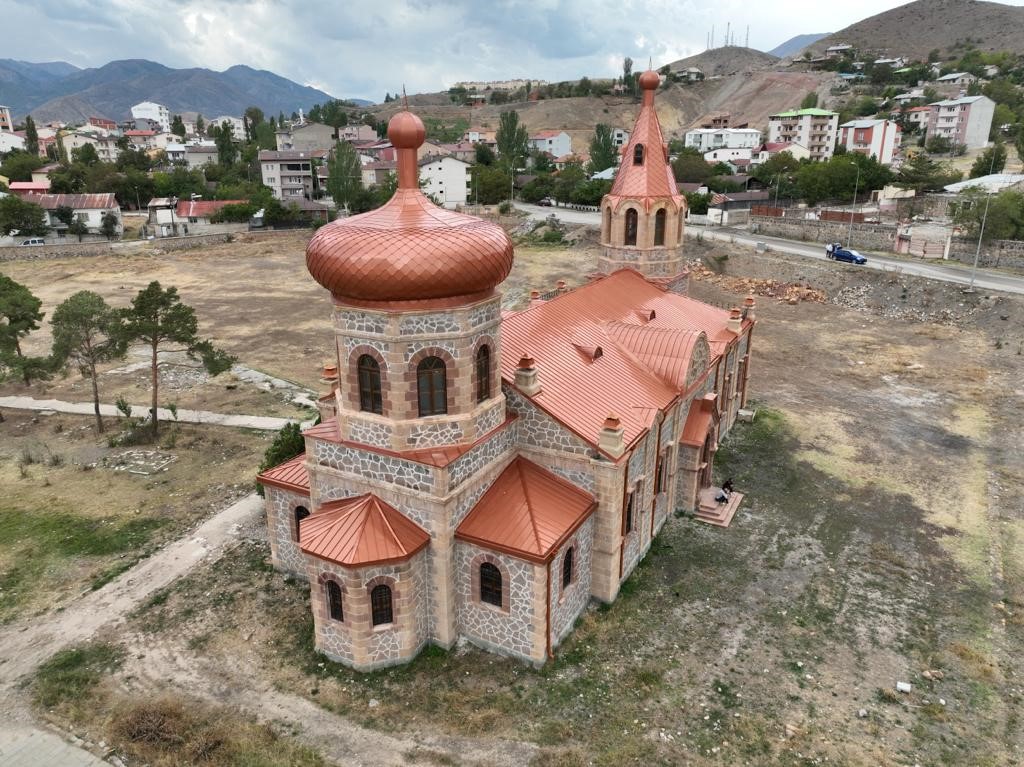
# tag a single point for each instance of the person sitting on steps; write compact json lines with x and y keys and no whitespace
{"x":726,"y":491}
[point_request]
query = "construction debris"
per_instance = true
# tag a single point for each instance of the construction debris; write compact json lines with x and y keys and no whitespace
{"x":788,"y":292}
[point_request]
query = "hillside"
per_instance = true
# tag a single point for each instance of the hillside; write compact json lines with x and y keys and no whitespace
{"x":915,"y":29}
{"x":111,"y":90}
{"x":728,"y":60}
{"x":796,"y":44}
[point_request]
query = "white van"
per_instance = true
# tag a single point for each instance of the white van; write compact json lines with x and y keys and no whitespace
{"x":33,"y":241}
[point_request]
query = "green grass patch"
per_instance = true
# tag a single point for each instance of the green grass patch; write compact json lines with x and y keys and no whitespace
{"x":71,"y":674}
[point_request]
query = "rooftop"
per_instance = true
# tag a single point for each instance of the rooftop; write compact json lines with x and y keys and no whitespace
{"x":290,"y":475}
{"x":74,"y":201}
{"x":805,"y":112}
{"x":360,"y":531}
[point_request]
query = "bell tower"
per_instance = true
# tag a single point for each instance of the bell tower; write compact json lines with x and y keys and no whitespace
{"x":642,"y":217}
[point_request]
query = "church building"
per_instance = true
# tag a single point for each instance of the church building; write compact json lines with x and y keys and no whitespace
{"x":483,"y":475}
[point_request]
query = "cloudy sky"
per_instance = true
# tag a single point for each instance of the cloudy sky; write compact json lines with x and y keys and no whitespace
{"x":362,"y":49}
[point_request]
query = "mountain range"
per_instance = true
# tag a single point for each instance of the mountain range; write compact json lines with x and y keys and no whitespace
{"x":796,"y":44}
{"x":61,"y":91}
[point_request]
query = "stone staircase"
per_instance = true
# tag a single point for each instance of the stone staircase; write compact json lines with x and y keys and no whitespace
{"x":714,"y":513}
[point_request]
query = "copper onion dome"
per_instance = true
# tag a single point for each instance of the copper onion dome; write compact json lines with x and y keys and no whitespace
{"x":409,"y":249}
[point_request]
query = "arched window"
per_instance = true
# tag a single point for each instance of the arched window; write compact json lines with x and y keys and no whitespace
{"x":567,"y":567}
{"x":369,"y":385}
{"x":638,"y":154}
{"x":659,"y":227}
{"x":301,"y":512}
{"x":606,"y":229}
{"x":483,"y":373}
{"x":380,"y":605}
{"x":490,"y":584}
{"x":632,"y":222}
{"x":334,"y":608}
{"x":430,"y":381}
{"x":628,"y":514}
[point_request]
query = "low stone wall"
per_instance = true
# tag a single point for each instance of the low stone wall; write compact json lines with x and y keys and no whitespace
{"x":865,"y":236}
{"x":42,"y":252}
{"x":1008,"y":254}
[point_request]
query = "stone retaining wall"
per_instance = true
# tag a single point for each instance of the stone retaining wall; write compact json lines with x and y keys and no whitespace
{"x":865,"y":236}
{"x":1004,"y":253}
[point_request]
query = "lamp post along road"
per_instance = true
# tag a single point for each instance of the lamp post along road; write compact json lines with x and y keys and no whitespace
{"x":856,"y":185}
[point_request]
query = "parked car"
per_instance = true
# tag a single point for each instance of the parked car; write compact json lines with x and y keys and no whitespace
{"x":846,"y":254}
{"x":33,"y":241}
{"x":546,"y":202}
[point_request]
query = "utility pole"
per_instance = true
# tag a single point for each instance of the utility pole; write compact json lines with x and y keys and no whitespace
{"x":981,"y":231}
{"x":856,"y":184}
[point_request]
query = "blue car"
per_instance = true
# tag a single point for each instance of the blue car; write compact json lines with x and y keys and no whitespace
{"x":845,"y":254}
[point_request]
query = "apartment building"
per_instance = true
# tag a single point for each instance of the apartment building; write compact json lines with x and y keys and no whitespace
{"x":155,"y":113}
{"x":6,"y":123}
{"x":964,"y":121}
{"x":707,"y":139}
{"x":446,"y":179}
{"x":289,"y":174}
{"x":815,"y":129}
{"x":875,"y":138}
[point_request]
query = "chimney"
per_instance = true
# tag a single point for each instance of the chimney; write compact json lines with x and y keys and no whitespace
{"x":748,"y":308}
{"x":526,"y":376}
{"x":735,"y":322}
{"x":610,"y":437}
{"x":329,"y":375}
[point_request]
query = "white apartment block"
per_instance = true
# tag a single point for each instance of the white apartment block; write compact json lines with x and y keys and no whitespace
{"x":706,"y":139}
{"x":554,"y":142}
{"x":875,"y":138}
{"x":964,"y":121}
{"x":237,"y":126}
{"x":816,"y":129}
{"x":289,"y":174}
{"x":6,"y":123}
{"x":150,"y":110}
{"x":446,"y":179}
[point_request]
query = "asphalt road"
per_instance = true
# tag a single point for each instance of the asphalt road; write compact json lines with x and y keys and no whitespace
{"x":946,"y":271}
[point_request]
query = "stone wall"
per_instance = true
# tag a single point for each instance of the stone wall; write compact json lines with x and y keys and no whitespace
{"x":284,"y":545}
{"x":46,"y":252}
{"x":568,"y":603}
{"x":538,"y":429}
{"x":865,"y":236}
{"x":1008,"y":254}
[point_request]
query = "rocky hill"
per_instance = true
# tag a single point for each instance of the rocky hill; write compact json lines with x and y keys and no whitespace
{"x":728,"y":60}
{"x":915,"y":29}
{"x":51,"y":92}
{"x":796,"y":44}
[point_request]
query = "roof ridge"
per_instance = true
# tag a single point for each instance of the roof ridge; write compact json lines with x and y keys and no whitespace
{"x":377,"y":505}
{"x":529,"y":502}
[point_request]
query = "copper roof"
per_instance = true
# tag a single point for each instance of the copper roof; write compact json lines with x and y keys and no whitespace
{"x":698,"y":422}
{"x":638,"y":371}
{"x":409,"y":249}
{"x":290,"y":475}
{"x":653,"y":178}
{"x":528,"y":512}
{"x":360,"y":531}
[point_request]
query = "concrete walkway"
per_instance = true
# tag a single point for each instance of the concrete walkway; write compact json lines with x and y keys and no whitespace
{"x":29,"y":747}
{"x":185,"y":416}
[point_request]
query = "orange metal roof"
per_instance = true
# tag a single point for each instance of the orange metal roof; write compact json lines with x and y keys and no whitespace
{"x":360,"y":531}
{"x":654,"y":177}
{"x":632,"y":375}
{"x":698,"y":422}
{"x":528,"y":512}
{"x":290,"y":475}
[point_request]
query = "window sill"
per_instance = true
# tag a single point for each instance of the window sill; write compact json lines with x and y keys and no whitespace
{"x":492,"y":607}
{"x":382,"y":627}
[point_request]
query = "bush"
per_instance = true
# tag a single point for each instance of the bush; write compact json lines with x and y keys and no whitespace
{"x":286,"y":445}
{"x":552,"y":236}
{"x":505,"y":208}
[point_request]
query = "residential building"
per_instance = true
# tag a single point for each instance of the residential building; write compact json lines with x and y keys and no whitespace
{"x":768,"y":150}
{"x":198,"y":155}
{"x":306,"y":137}
{"x":29,"y":188}
{"x":143,"y":139}
{"x":480,"y":136}
{"x":105,"y":146}
{"x":289,"y":174}
{"x":875,"y":138}
{"x":171,"y":217}
{"x":838,"y":51}
{"x":815,"y":129}
{"x":42,"y":175}
{"x":894,"y":63}
{"x":88,"y":208}
{"x":356,"y":133}
{"x":620,"y":137}
{"x":176,"y":150}
{"x":464,"y":150}
{"x":965,"y":121}
{"x":481,"y":475}
{"x":499,"y":85}
{"x":447,"y":180}
{"x":554,"y":142}
{"x":156,"y":113}
{"x":991,"y":184}
{"x":706,"y":139}
{"x":107,"y":127}
{"x":958,"y":78}
{"x":6,"y":122}
{"x":377,"y":172}
{"x":10,"y":140}
{"x":913,"y":116}
{"x":236,"y":124}
{"x":730,"y":154}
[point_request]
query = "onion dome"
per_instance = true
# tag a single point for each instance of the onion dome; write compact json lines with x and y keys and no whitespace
{"x":409,"y":249}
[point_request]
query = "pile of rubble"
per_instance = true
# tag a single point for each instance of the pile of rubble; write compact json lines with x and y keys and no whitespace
{"x":789,"y":292}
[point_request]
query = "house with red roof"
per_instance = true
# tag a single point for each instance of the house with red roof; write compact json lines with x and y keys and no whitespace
{"x":482,"y":475}
{"x":171,"y":217}
{"x":557,"y":143}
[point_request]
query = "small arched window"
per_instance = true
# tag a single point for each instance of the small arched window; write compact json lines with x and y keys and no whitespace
{"x":483,"y":373}
{"x":490,"y":584}
{"x":632,"y":222}
{"x":628,"y":521}
{"x":659,"y":227}
{"x":431,"y":386}
{"x":301,"y":512}
{"x":380,"y":605}
{"x":567,"y":567}
{"x":334,"y":608}
{"x":370,"y":399}
{"x":638,"y":154}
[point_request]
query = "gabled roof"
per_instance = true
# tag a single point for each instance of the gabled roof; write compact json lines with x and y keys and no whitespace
{"x":75,"y":201}
{"x":360,"y":531}
{"x":579,"y":390}
{"x":528,"y":512}
{"x":698,"y":422}
{"x":290,"y":475}
{"x":546,"y":134}
{"x":665,"y":351}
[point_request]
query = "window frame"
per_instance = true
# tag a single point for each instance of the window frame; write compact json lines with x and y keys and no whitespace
{"x":568,"y":567}
{"x":371,"y":392}
{"x":660,"y":225}
{"x":482,"y":360}
{"x":631,"y":229}
{"x":639,"y":154}
{"x":298,"y":517}
{"x":335,"y":604}
{"x":435,"y":376}
{"x":379,"y":608}
{"x":492,"y":587}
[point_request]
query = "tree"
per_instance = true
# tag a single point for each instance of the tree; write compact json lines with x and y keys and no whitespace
{"x":287,"y":444}
{"x":992,"y":160}
{"x":18,"y":216}
{"x":226,"y":149}
{"x":938,"y":145}
{"x":65,"y":214}
{"x":19,"y":316}
{"x":541,"y":161}
{"x":810,"y":101}
{"x":603,"y":154}
{"x":537,"y":189}
{"x":178,"y":126}
{"x":157,"y":317}
{"x":1004,"y":217}
{"x":31,"y":136}
{"x":570,"y":178}
{"x":490,"y":184}
{"x":921,"y":173}
{"x":483,"y":154}
{"x":78,"y":228}
{"x":691,"y":168}
{"x":85,"y":154}
{"x":344,"y":174}
{"x":200,"y":125}
{"x":108,"y":225}
{"x":18,"y":166}
{"x":627,"y":73}
{"x":87,"y":333}
{"x":68,"y":179}
{"x":512,"y":139}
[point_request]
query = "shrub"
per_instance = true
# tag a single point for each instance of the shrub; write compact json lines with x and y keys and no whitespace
{"x":505,"y":208}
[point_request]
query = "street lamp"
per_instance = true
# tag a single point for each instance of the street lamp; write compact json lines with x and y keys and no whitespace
{"x":984,"y":218}
{"x":778,"y":180}
{"x":856,"y":185}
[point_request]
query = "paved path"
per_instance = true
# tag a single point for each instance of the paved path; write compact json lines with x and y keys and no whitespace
{"x":29,"y":747}
{"x":186,"y":416}
{"x":944,"y":271}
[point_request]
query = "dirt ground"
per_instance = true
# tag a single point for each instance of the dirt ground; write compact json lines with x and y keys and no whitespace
{"x":879,"y":542}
